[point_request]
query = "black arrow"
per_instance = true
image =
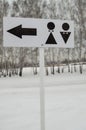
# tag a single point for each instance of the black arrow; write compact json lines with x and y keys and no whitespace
{"x":19,"y":31}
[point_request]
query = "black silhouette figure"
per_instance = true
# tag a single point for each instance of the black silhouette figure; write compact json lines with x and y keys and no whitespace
{"x":51,"y":39}
{"x":65,"y":35}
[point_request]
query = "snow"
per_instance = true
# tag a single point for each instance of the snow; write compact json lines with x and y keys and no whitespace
{"x":65,"y":102}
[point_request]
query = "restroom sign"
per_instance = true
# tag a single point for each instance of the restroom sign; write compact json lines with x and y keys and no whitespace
{"x":30,"y":32}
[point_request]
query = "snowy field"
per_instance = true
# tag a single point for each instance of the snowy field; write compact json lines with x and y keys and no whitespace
{"x":65,"y":102}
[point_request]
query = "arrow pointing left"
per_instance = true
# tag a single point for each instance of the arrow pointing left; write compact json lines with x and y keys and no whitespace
{"x":19,"y":31}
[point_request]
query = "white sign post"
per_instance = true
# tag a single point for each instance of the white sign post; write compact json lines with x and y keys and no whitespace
{"x":43,"y":33}
{"x":42,"y":91}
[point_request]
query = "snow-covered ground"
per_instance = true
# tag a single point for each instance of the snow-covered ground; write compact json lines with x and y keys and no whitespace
{"x":65,"y":102}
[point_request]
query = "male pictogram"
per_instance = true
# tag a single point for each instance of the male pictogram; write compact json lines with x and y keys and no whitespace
{"x":51,"y":39}
{"x":65,"y":35}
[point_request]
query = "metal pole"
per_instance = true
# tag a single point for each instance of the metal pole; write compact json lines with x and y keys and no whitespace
{"x":42,"y":91}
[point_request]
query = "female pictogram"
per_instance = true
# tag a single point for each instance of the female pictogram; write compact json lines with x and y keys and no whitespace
{"x":65,"y":35}
{"x":51,"y":39}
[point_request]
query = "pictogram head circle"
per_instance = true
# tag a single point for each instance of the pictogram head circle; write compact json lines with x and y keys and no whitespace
{"x":51,"y":25}
{"x":65,"y":26}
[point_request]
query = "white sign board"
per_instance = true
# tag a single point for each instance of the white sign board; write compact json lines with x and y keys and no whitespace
{"x":30,"y":32}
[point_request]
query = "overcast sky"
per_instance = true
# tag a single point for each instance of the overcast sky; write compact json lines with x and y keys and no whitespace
{"x":10,"y":1}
